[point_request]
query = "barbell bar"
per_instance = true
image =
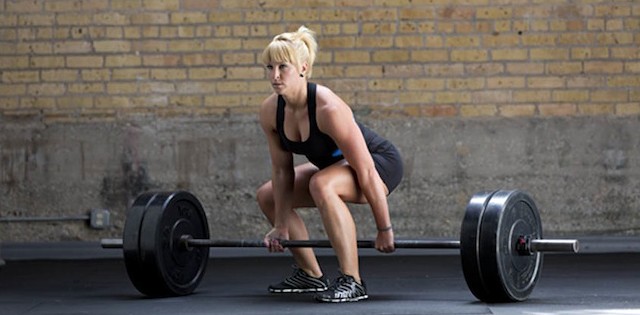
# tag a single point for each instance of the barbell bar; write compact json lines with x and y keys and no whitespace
{"x":538,"y":245}
{"x":166,"y":239}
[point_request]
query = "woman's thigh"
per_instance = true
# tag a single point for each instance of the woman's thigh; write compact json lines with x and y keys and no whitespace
{"x":301,"y":196}
{"x":341,"y":178}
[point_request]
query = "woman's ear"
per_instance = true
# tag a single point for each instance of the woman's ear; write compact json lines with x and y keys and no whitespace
{"x":303,"y":69}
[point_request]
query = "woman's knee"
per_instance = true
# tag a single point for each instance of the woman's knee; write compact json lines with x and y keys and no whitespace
{"x":320,"y":188}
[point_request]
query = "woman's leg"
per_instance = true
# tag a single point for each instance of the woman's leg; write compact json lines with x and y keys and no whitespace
{"x":304,"y":257}
{"x":331,"y":188}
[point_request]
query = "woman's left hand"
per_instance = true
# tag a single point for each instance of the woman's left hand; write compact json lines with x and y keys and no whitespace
{"x":385,"y":241}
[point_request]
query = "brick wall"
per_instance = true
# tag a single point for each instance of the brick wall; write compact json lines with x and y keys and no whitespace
{"x":135,"y":75}
{"x":86,"y":60}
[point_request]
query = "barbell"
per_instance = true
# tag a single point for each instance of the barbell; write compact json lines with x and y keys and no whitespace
{"x":166,"y":239}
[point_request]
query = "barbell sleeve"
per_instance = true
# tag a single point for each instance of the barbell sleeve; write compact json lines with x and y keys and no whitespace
{"x":111,"y":243}
{"x":550,"y":245}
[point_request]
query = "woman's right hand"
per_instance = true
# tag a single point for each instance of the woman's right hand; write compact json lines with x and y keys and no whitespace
{"x":273,"y":238}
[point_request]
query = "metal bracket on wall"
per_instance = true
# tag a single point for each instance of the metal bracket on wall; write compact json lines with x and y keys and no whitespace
{"x":97,"y":219}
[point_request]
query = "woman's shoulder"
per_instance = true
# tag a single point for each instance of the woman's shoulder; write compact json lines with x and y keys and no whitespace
{"x":331,"y":110}
{"x":269,"y":103}
{"x":271,"y":99}
{"x":323,"y":91}
{"x":268,"y":108}
{"x":327,"y":100}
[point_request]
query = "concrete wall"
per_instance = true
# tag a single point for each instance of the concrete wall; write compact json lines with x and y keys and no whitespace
{"x":103,"y":99}
{"x":583,"y":172}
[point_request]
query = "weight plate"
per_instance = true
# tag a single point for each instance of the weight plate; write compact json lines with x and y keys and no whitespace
{"x":507,"y":275}
{"x":139,"y":276}
{"x":177,"y":270}
{"x":469,"y":244}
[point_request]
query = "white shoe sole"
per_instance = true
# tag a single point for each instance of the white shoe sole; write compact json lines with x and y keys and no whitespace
{"x":342,"y":300}
{"x":297,"y":290}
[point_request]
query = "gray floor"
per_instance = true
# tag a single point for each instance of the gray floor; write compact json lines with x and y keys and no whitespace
{"x":422,"y":282}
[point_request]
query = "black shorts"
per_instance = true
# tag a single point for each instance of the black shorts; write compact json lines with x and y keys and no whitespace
{"x":389,"y":165}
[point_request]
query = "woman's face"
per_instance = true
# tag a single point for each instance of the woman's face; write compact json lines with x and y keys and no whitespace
{"x":282,"y":76}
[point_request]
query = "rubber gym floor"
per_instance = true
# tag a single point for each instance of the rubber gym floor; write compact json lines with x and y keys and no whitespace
{"x":71,"y":278}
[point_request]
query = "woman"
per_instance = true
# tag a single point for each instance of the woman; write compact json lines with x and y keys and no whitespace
{"x":348,"y":163}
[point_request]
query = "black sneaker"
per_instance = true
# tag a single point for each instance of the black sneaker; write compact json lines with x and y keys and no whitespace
{"x":300,"y":282}
{"x":344,"y":289}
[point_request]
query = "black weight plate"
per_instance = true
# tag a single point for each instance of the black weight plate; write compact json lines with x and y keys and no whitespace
{"x":177,"y":270}
{"x":469,"y":244}
{"x":509,"y":276}
{"x":139,"y":276}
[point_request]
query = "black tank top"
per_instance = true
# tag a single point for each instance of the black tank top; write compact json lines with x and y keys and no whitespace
{"x":319,"y":148}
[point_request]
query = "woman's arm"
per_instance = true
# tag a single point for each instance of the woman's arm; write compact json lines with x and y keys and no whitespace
{"x":282,"y":174}
{"x":335,"y":118}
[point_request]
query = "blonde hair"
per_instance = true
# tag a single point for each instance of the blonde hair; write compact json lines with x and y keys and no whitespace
{"x":293,"y":47}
